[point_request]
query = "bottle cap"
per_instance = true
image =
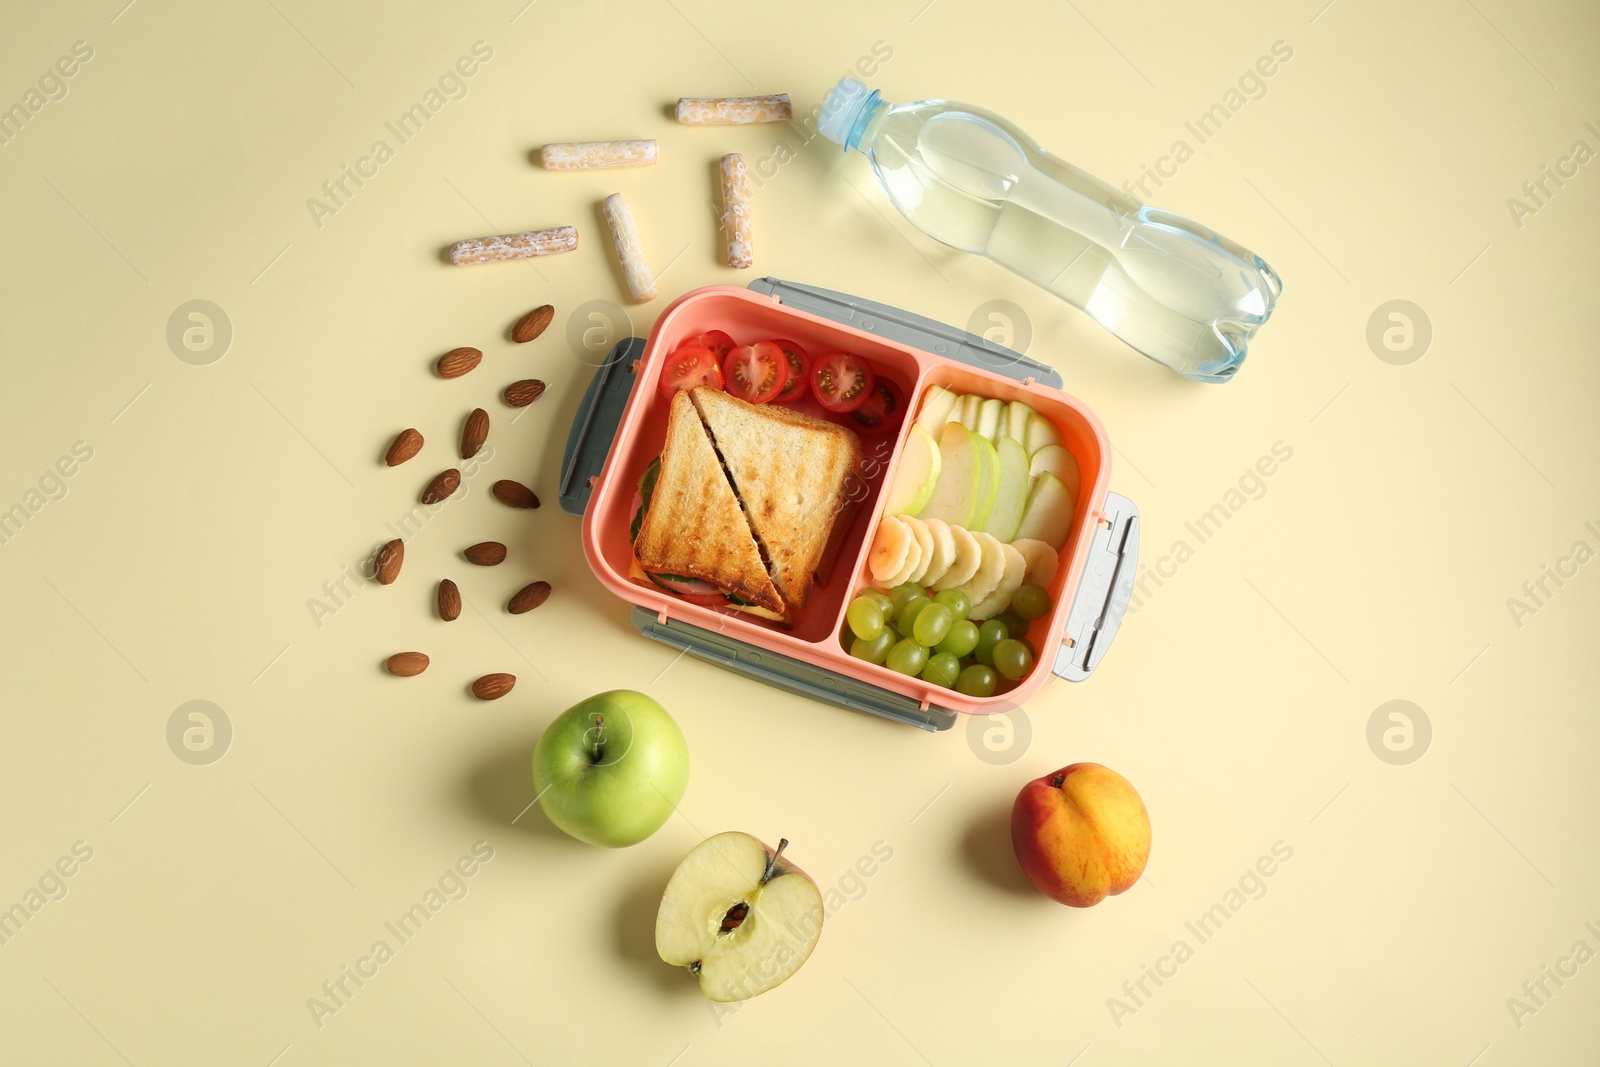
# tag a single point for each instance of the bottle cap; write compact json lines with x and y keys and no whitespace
{"x":841,"y":109}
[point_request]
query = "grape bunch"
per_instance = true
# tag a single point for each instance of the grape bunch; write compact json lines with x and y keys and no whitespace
{"x":928,"y":635}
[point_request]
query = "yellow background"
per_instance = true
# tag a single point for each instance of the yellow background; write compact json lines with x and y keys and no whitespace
{"x":220,"y":498}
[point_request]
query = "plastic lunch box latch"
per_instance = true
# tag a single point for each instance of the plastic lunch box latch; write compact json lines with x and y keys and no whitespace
{"x":1103,"y":590}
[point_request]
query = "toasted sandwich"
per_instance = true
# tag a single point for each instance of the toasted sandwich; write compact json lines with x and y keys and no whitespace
{"x":794,"y":474}
{"x":751,"y":499}
{"x":694,"y":526}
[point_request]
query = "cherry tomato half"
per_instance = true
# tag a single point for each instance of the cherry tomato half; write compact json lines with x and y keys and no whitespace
{"x":841,"y":382}
{"x":883,"y":408}
{"x":719,"y":343}
{"x":690,"y":365}
{"x":799,"y":372}
{"x":756,"y":373}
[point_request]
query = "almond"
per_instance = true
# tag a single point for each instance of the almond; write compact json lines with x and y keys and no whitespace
{"x":474,"y":433}
{"x":389,"y":558}
{"x":529,"y":597}
{"x":407,"y":664}
{"x":514,"y":494}
{"x":407,"y":443}
{"x":457,"y":361}
{"x":532,"y":324}
{"x":444,"y":483}
{"x":486,"y":553}
{"x":521,"y":394}
{"x":493,"y":686}
{"x":449,"y":600}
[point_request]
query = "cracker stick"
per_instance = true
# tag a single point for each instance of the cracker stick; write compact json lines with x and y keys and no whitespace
{"x":707,"y":111}
{"x":736,"y":211}
{"x":514,"y":245}
{"x":593,"y":155}
{"x":625,"y":239}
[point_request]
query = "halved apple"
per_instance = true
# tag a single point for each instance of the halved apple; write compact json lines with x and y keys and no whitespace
{"x":1048,"y":516}
{"x":915,"y":475}
{"x":1012,"y":494}
{"x":1058,"y":461}
{"x":739,"y":916}
{"x":937,"y":404}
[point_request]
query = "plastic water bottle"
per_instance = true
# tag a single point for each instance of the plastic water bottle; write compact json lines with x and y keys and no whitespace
{"x":1176,"y":291}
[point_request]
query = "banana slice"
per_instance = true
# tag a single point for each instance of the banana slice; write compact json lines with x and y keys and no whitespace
{"x":913,"y":561}
{"x":944,"y":550}
{"x":1042,"y":561}
{"x":964,"y":564}
{"x":924,"y":542}
{"x":1010,"y":582}
{"x":991,"y":568}
{"x":891,"y":543}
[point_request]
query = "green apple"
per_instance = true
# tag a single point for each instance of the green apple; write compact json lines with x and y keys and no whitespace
{"x":937,"y":404}
{"x":1058,"y":461}
{"x":739,"y":916}
{"x":1018,"y":415}
{"x":1012,"y":495}
{"x":966,"y":412}
{"x":988,"y":480}
{"x":1048,"y":516}
{"x":915,"y":475}
{"x":1041,"y":434}
{"x":955,"y":496}
{"x":992,"y":419}
{"x":610,"y":770}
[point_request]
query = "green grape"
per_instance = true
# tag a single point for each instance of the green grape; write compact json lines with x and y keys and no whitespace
{"x":942,"y":669}
{"x":1016,"y":625}
{"x":1031,"y":602}
{"x":990,"y":634}
{"x":907,"y":657}
{"x":932,"y":624}
{"x":908,"y":613}
{"x":873,"y":649}
{"x":954,"y":599}
{"x":1013,"y":658}
{"x":880,"y":598}
{"x":976,"y":681}
{"x":901,"y":595}
{"x":961,"y":640}
{"x":865,"y":617}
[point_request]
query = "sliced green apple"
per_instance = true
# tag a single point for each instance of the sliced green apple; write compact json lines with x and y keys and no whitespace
{"x":739,"y":916}
{"x":955,"y":496}
{"x":937,"y":403}
{"x":966,"y":412}
{"x":1058,"y":461}
{"x":988,"y":481}
{"x":915,"y":475}
{"x":991,"y":419}
{"x":1018,"y":415}
{"x":1041,"y":433}
{"x":1048,"y":516}
{"x":1012,"y":495}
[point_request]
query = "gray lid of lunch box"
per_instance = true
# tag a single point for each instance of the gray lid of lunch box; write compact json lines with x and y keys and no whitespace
{"x":1096,"y":610}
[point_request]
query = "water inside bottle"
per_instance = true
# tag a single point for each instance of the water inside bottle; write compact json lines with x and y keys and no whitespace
{"x":1174,"y":290}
